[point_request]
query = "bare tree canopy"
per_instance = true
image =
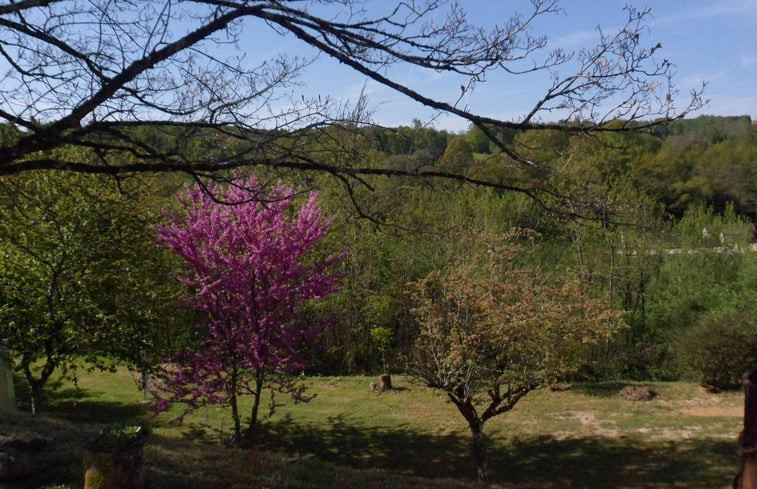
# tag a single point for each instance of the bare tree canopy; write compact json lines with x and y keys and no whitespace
{"x":86,"y":77}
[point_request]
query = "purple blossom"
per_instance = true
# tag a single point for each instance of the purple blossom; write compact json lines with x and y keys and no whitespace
{"x":245,"y":265}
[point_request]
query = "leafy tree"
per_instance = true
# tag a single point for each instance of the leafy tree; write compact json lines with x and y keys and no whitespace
{"x":705,"y":278}
{"x":81,"y":278}
{"x":458,"y":156}
{"x":726,"y":171}
{"x":384,"y":258}
{"x":719,"y":348}
{"x":693,"y":169}
{"x":249,"y":271}
{"x":382,"y":337}
{"x":478,"y":141}
{"x":705,"y":129}
{"x":491,"y":332}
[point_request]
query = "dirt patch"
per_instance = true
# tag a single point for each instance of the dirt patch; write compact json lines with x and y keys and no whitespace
{"x":670,"y":433}
{"x":715,"y":412}
{"x":637,"y":393}
{"x":588,"y":419}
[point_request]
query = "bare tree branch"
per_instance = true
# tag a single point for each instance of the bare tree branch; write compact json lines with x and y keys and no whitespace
{"x":102,"y":78}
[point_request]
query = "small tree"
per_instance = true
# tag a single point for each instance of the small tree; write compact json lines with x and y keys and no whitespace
{"x":458,"y":156}
{"x":81,"y":279}
{"x":249,"y":272}
{"x":491,"y":332}
{"x":382,"y":339}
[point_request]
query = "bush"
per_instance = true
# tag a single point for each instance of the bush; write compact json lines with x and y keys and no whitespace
{"x":718,"y":349}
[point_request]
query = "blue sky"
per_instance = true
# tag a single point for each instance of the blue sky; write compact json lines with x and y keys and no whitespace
{"x":708,"y":40}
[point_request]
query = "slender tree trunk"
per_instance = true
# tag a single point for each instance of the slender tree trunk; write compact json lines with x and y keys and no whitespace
{"x":612,"y":271}
{"x":37,"y":397}
{"x":255,"y":404}
{"x":464,"y":404}
{"x":479,"y":450}
{"x":235,"y":406}
{"x":37,"y":385}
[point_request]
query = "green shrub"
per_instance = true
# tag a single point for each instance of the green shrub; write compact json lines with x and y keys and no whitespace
{"x":718,"y":349}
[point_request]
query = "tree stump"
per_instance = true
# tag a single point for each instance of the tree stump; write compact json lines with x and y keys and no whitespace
{"x":385,"y":381}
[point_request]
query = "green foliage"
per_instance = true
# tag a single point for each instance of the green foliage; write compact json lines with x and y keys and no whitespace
{"x":719,"y":349}
{"x":707,"y":129}
{"x":382,"y":338}
{"x":405,"y":140}
{"x":458,"y":156}
{"x":80,"y":276}
{"x":119,"y":437}
{"x":670,"y":185}
{"x":477,"y":140}
{"x":691,"y":171}
{"x":700,"y":274}
{"x":705,"y":272}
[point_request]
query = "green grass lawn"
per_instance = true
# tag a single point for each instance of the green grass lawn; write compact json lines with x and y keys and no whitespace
{"x":348,"y":436}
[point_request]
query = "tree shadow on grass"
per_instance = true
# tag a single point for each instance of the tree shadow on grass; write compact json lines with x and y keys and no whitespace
{"x":602,"y":389}
{"x":544,"y":461}
{"x":618,"y":463}
{"x":84,"y":405}
{"x":398,"y":449}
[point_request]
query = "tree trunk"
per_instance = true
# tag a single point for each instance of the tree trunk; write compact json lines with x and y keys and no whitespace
{"x":479,"y":450}
{"x":235,"y":408}
{"x":7,"y":391}
{"x":38,"y":394}
{"x":37,"y":385}
{"x":255,"y":405}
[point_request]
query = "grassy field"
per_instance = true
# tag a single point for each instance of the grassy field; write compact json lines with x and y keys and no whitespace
{"x":348,"y":436}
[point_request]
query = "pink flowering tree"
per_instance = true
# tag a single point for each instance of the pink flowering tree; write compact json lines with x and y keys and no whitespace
{"x":249,"y":272}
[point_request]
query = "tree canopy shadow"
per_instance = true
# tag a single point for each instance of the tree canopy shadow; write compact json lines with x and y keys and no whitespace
{"x":626,"y":462}
{"x":601,"y":389}
{"x":542,"y":461}
{"x":78,"y":404}
{"x":399,"y":449}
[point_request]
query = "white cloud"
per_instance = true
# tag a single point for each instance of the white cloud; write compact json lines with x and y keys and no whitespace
{"x":722,"y":8}
{"x":749,"y":60}
{"x":695,"y":80}
{"x":576,"y":39}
